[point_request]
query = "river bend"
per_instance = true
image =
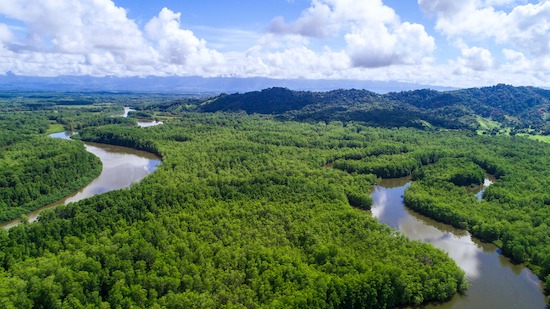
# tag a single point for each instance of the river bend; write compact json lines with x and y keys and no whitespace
{"x":494,"y":281}
{"x":122,"y":167}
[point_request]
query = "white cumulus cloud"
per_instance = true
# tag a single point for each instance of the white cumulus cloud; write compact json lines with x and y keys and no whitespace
{"x":74,"y":26}
{"x":374,"y":34}
{"x":476,"y":58}
{"x":519,"y":28}
{"x":5,"y":34}
{"x":408,"y":44}
{"x":97,"y":38}
{"x":317,"y":21}
{"x":176,"y":45}
{"x":498,"y":40}
{"x":526,"y":26}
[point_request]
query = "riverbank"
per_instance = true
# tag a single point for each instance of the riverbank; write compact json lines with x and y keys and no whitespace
{"x":121,"y":167}
{"x":141,"y":122}
{"x":40,"y":170}
{"x":495,"y":282}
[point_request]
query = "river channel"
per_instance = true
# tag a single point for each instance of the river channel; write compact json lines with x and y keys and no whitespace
{"x":122,"y":167}
{"x":141,"y":123}
{"x":494,"y":281}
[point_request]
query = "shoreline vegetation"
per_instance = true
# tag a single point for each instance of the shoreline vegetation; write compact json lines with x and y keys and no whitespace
{"x":243,"y":212}
{"x":41,"y":171}
{"x":450,"y":173}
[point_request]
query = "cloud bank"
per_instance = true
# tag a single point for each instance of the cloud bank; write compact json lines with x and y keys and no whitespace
{"x":85,"y":37}
{"x":522,"y":30}
{"x":374,"y":35}
{"x":494,"y":41}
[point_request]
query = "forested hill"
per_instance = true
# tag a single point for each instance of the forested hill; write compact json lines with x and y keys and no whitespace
{"x":510,"y":107}
{"x":498,"y":102}
{"x":280,"y":100}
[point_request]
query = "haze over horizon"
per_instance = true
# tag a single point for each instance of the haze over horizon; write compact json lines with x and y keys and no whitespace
{"x":449,"y":43}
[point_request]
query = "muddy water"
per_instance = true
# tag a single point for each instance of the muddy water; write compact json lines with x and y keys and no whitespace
{"x":494,"y":281}
{"x":122,"y":166}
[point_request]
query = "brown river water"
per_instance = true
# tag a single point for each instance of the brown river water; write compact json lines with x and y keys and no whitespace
{"x":494,"y":281}
{"x":122,"y":167}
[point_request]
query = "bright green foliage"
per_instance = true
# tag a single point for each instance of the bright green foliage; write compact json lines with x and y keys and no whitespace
{"x":363,"y":201}
{"x":518,"y":109}
{"x":125,"y":136}
{"x":40,"y":171}
{"x":19,"y":126}
{"x":243,"y":212}
{"x":145,"y":115}
{"x":36,"y":170}
{"x":77,"y":119}
{"x":459,"y":171}
{"x":514,"y":212}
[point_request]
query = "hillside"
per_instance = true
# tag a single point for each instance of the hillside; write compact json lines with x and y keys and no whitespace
{"x":513,"y":108}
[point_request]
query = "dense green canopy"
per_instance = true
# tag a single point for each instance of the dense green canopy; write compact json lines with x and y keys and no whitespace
{"x":253,"y":211}
{"x":242,"y":212}
{"x":36,"y":170}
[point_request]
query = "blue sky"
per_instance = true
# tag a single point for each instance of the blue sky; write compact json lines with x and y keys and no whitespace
{"x":432,"y":42}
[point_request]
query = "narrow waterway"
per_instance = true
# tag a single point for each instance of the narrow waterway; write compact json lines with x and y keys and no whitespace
{"x":122,"y":167}
{"x":141,"y":123}
{"x":494,"y":281}
{"x":478,"y":191}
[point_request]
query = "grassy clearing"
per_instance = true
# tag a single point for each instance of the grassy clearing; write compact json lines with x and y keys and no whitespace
{"x":55,"y":128}
{"x":487,"y":124}
{"x":542,"y":138}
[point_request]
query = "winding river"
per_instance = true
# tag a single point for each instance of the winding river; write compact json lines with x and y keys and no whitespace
{"x":494,"y":281}
{"x":122,"y":167}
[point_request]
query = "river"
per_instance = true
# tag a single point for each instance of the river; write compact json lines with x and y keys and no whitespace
{"x":494,"y":281}
{"x":143,"y":124}
{"x":122,"y":167}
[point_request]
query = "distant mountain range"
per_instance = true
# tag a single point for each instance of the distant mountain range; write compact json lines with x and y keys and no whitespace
{"x":11,"y":82}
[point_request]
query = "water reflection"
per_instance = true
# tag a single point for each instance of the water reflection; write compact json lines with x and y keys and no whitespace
{"x":143,"y":124}
{"x":495,"y":282}
{"x":478,"y":191}
{"x":63,"y":135}
{"x":127,"y":110}
{"x":122,"y":166}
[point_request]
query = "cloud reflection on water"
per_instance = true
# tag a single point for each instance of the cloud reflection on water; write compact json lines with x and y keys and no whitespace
{"x":495,"y":281}
{"x":388,"y":208}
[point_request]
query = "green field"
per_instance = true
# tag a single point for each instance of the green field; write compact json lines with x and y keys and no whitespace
{"x":55,"y":128}
{"x":541,"y":138}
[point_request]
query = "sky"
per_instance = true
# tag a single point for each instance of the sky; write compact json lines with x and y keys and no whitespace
{"x":466,"y":43}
